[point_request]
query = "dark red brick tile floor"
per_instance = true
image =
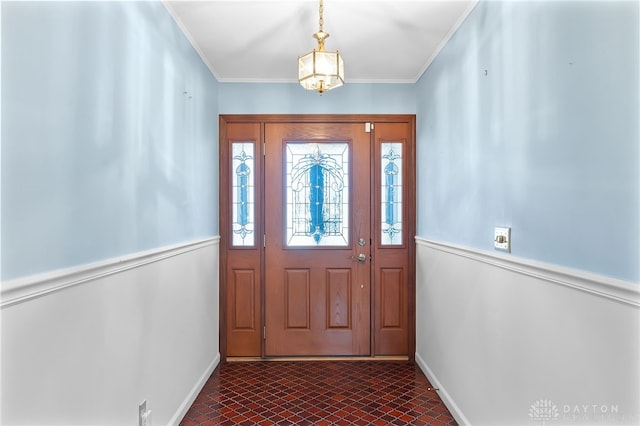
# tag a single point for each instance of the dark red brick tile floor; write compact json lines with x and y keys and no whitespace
{"x":318,"y":393}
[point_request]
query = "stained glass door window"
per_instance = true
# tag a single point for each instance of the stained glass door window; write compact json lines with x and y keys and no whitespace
{"x":391,"y":191}
{"x":317,"y":188}
{"x":243,"y":194}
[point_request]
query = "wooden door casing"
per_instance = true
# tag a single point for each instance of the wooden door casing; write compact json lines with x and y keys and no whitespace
{"x":392,"y":272}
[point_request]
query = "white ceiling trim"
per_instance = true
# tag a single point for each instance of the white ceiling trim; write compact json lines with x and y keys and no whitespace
{"x":185,"y":30}
{"x":446,"y":39}
{"x":189,"y":37}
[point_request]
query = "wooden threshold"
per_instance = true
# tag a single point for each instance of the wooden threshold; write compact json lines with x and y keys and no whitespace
{"x":318,"y":358}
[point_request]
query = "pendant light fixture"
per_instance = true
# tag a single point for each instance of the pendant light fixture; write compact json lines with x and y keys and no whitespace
{"x":321,"y":70}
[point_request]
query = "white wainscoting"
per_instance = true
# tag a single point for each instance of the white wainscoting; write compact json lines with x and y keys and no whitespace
{"x":87,"y":345}
{"x":498,"y":335}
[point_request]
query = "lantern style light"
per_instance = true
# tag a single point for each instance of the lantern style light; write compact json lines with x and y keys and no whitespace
{"x":321,"y":70}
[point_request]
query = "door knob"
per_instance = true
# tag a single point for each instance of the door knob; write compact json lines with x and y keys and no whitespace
{"x":360,"y":258}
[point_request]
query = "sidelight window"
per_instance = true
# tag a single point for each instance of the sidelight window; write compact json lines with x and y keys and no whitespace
{"x":243,"y":194}
{"x":391,"y":193}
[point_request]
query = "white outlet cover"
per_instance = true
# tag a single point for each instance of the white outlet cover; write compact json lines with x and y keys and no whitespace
{"x":503,"y":234}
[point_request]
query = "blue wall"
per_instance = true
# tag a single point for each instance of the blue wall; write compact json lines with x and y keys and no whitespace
{"x":290,"y":98}
{"x":528,"y":118}
{"x":103,"y":154}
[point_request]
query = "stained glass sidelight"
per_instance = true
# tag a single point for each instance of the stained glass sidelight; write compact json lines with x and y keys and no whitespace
{"x":317,"y":194}
{"x":243,"y":194}
{"x":391,"y":193}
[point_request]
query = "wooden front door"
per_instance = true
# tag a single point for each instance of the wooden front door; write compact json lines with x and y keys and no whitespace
{"x":317,"y":208}
{"x":318,"y":254}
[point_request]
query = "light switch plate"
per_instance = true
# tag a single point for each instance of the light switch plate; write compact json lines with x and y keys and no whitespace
{"x":502,"y":239}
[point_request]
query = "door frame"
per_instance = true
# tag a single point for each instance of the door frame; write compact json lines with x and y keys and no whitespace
{"x":225,"y":201}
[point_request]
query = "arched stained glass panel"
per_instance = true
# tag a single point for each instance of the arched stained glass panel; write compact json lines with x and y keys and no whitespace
{"x":317,"y":205}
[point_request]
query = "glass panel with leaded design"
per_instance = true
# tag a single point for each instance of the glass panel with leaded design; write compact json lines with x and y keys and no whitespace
{"x":317,"y":188}
{"x":243,"y":194}
{"x":391,"y":193}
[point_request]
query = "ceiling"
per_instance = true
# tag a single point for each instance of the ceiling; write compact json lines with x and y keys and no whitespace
{"x":391,"y":41}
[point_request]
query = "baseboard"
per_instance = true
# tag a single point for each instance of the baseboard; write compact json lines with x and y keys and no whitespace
{"x":598,"y":285}
{"x":27,"y":288}
{"x":442,"y":392}
{"x":400,"y":358}
{"x":191,"y":397}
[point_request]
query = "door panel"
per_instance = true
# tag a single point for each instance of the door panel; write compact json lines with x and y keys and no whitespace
{"x":323,"y":309}
{"x":339,"y":298}
{"x":297,"y":296}
{"x":243,"y":292}
{"x":391,"y":290}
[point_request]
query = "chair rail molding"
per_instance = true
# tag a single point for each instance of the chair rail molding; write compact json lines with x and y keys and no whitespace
{"x":599,"y":285}
{"x":27,"y":288}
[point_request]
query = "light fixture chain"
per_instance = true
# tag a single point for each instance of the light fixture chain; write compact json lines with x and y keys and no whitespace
{"x":321,"y":12}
